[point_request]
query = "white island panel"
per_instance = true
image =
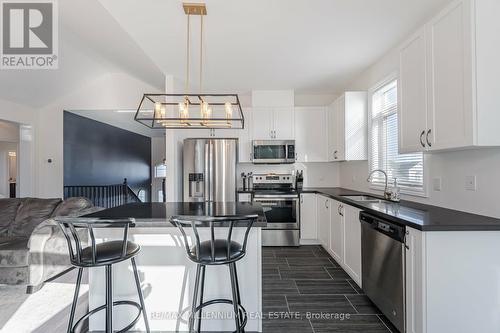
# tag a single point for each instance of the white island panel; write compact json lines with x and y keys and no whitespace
{"x":167,"y":277}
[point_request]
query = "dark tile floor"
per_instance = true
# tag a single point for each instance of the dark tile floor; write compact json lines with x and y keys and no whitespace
{"x":305,"y":290}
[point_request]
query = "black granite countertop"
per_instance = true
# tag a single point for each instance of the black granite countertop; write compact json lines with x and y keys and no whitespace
{"x":415,"y":215}
{"x":157,"y":214}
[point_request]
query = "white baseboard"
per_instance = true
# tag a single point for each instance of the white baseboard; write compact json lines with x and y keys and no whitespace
{"x":309,"y":242}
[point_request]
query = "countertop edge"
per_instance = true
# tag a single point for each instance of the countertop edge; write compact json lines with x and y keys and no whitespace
{"x":426,"y":228}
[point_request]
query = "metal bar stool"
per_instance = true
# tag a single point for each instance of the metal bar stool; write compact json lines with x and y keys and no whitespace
{"x":215,"y":252}
{"x":77,"y":231}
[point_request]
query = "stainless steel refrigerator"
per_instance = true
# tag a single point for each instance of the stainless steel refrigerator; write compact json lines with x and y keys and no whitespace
{"x":210,"y":170}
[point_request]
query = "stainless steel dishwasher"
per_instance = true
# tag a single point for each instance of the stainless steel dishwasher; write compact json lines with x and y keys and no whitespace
{"x":383,"y":266}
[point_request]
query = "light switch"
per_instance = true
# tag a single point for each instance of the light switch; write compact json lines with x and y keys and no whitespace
{"x":470,"y":183}
{"x":437,"y":184}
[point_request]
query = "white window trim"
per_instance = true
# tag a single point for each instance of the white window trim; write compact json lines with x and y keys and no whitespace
{"x":424,"y":193}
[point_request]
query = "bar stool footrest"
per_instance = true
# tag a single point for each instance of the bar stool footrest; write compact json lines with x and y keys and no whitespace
{"x":102,"y":307}
{"x":242,"y":310}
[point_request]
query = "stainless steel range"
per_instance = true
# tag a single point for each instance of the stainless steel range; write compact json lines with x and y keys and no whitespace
{"x":280,"y":201}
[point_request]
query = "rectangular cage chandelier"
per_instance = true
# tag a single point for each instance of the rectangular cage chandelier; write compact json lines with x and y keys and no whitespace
{"x":190,"y":110}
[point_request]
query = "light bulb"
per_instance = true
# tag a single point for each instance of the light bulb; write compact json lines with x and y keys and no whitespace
{"x":229,"y":111}
{"x":157,"y":109}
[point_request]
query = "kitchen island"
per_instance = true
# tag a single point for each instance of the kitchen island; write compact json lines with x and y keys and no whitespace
{"x":167,"y":275}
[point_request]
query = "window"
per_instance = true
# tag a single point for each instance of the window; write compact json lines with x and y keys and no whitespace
{"x":384,"y":155}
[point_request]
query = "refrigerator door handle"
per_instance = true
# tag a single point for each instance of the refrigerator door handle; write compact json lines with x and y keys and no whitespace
{"x":207,"y":172}
{"x":211,"y":163}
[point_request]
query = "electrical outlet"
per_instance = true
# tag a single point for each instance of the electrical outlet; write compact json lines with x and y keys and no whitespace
{"x":437,"y":184}
{"x":470,"y":183}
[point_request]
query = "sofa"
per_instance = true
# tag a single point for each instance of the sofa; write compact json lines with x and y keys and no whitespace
{"x":33,"y":248}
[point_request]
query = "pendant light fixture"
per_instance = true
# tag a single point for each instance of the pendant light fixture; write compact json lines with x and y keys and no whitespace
{"x":191,"y":110}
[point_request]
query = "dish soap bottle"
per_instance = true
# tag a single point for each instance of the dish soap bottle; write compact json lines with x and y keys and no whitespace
{"x":396,"y":191}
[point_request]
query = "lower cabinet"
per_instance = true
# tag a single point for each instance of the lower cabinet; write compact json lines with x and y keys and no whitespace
{"x":352,"y":242}
{"x":308,"y":219}
{"x":323,"y":205}
{"x":337,"y":232}
{"x":415,"y":296}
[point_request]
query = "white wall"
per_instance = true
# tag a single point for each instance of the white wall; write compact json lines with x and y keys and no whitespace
{"x":157,"y":156}
{"x":109,"y":91}
{"x":451,"y":167}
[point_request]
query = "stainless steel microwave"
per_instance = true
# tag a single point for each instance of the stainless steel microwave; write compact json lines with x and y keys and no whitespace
{"x":273,"y":152}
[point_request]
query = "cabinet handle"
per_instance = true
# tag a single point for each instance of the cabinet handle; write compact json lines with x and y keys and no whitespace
{"x":404,"y":240}
{"x":326,"y":204}
{"x":335,"y":154}
{"x":422,"y":138}
{"x":427,"y":138}
{"x":274,"y":134}
{"x":296,"y":156}
{"x":340,"y":210}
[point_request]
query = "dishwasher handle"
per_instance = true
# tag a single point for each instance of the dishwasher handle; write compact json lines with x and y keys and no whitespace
{"x":390,"y":229}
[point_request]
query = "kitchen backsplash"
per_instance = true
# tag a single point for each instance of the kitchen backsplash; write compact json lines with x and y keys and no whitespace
{"x":315,"y":174}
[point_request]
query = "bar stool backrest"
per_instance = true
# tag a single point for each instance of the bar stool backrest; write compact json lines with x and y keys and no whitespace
{"x":195,"y":222}
{"x":72,"y":228}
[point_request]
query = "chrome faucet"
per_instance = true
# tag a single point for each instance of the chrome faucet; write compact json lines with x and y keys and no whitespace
{"x":387,"y":193}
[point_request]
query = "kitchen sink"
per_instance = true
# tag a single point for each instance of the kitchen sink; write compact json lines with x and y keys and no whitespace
{"x":363,"y":198}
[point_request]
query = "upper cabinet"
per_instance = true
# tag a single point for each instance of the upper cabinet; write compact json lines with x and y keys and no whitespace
{"x":245,"y":138}
{"x":311,"y":137}
{"x":448,"y":80}
{"x":412,"y":94}
{"x":270,"y":123}
{"x":347,"y":127}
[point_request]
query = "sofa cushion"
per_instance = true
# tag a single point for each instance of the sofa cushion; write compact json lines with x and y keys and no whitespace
{"x":32,"y":212}
{"x":13,"y":252}
{"x":8,"y":210}
{"x":72,"y":207}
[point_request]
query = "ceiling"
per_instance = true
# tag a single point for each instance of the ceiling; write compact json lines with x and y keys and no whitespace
{"x":91,"y":44}
{"x":123,"y":119}
{"x":312,"y":46}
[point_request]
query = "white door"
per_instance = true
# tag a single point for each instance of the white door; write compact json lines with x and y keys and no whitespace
{"x":412,"y":94}
{"x":284,"y":123}
{"x":245,"y":138}
{"x":337,"y":232}
{"x":352,"y":242}
{"x":450,"y":106}
{"x":341,"y":129}
{"x":323,"y":211}
{"x":311,"y":137}
{"x":262,"y":123}
{"x":332,"y":132}
{"x":308,"y":217}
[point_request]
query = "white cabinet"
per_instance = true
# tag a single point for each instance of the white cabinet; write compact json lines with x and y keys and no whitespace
{"x":323,"y":205}
{"x":412,"y":94}
{"x":347,"y":127}
{"x":284,"y":123}
{"x":311,"y":137}
{"x":352,"y":242}
{"x":449,"y":80}
{"x":245,"y":138}
{"x":449,"y":49}
{"x":273,"y":123}
{"x":337,"y":232}
{"x":415,"y":299}
{"x":308,"y":218}
{"x":262,"y":123}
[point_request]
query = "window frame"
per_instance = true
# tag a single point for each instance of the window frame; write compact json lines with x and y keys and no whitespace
{"x":374,"y":186}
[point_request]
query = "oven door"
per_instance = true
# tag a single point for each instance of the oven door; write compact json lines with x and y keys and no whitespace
{"x":281,"y":212}
{"x":271,"y":152}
